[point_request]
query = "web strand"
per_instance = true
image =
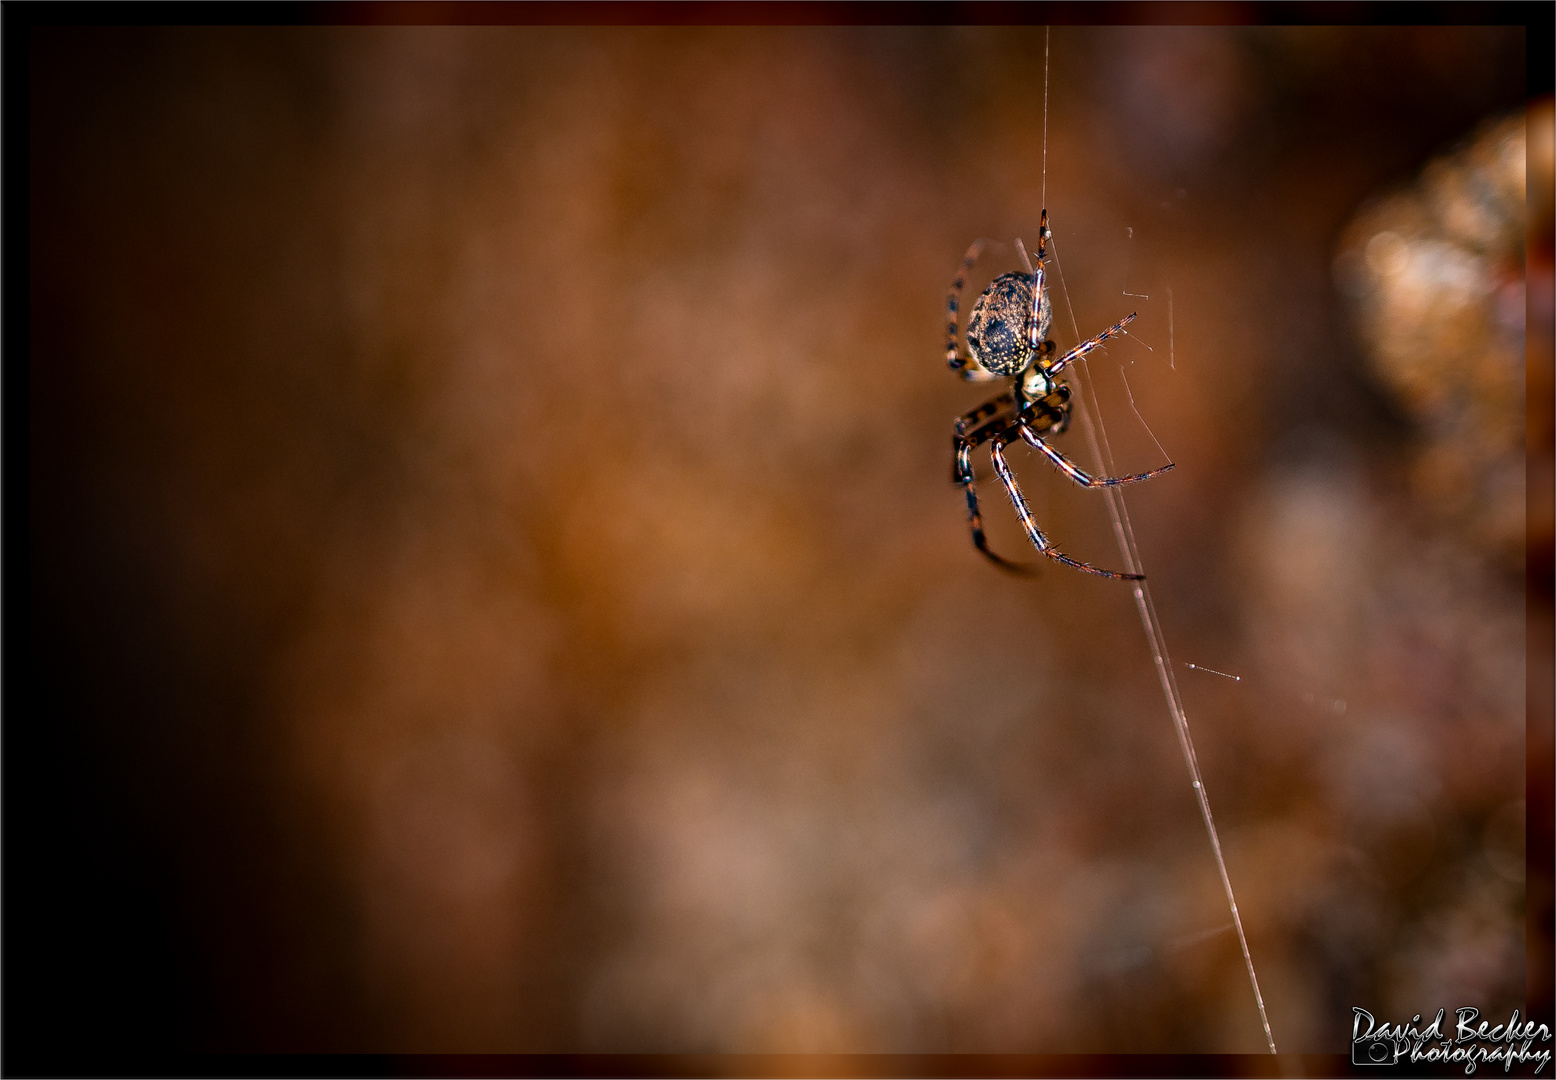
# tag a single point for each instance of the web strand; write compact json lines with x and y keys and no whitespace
{"x":1136,"y":408}
{"x":1096,"y":438}
{"x":1047,"y":35}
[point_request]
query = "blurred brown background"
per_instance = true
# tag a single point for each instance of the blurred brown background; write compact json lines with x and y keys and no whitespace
{"x":495,"y":582}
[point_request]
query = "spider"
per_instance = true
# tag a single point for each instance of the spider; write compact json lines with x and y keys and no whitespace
{"x":1007,"y":338}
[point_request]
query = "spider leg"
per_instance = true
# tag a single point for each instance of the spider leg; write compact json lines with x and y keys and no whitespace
{"x":963,"y":365}
{"x":953,"y":300}
{"x":962,"y":473}
{"x":1037,"y":306}
{"x":1037,"y":281}
{"x":983,"y":412}
{"x":1086,"y":346}
{"x":1066,"y":466}
{"x":1039,"y":541}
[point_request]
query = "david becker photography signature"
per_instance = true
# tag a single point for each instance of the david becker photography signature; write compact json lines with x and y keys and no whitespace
{"x":1376,"y":1042}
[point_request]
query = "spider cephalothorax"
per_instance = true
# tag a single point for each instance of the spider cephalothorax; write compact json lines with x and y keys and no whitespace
{"x":1007,"y":337}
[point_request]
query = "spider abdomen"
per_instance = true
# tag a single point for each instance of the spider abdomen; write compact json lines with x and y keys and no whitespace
{"x":999,"y":330}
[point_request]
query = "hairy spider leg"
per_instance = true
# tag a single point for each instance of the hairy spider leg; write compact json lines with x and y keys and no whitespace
{"x":1036,"y":274}
{"x":1039,"y":541}
{"x":1039,"y":280}
{"x":953,"y":356}
{"x":1086,"y":346}
{"x":1051,"y":412}
{"x":1038,"y":284}
{"x":962,"y":470}
{"x":973,"y":429}
{"x":984,"y":411}
{"x":963,"y":442}
{"x":962,"y":365}
{"x":1069,"y":468}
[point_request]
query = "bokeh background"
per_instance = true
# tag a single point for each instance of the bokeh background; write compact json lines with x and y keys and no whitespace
{"x":495,"y":583}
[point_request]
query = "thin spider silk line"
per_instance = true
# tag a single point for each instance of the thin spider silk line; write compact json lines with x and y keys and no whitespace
{"x":1097,"y":439}
{"x":1160,"y":448}
{"x":1047,"y":36}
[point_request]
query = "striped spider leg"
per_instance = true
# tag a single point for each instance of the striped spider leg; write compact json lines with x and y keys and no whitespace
{"x":962,"y":444}
{"x":957,"y":360}
{"x":1007,"y":338}
{"x":1001,"y":425}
